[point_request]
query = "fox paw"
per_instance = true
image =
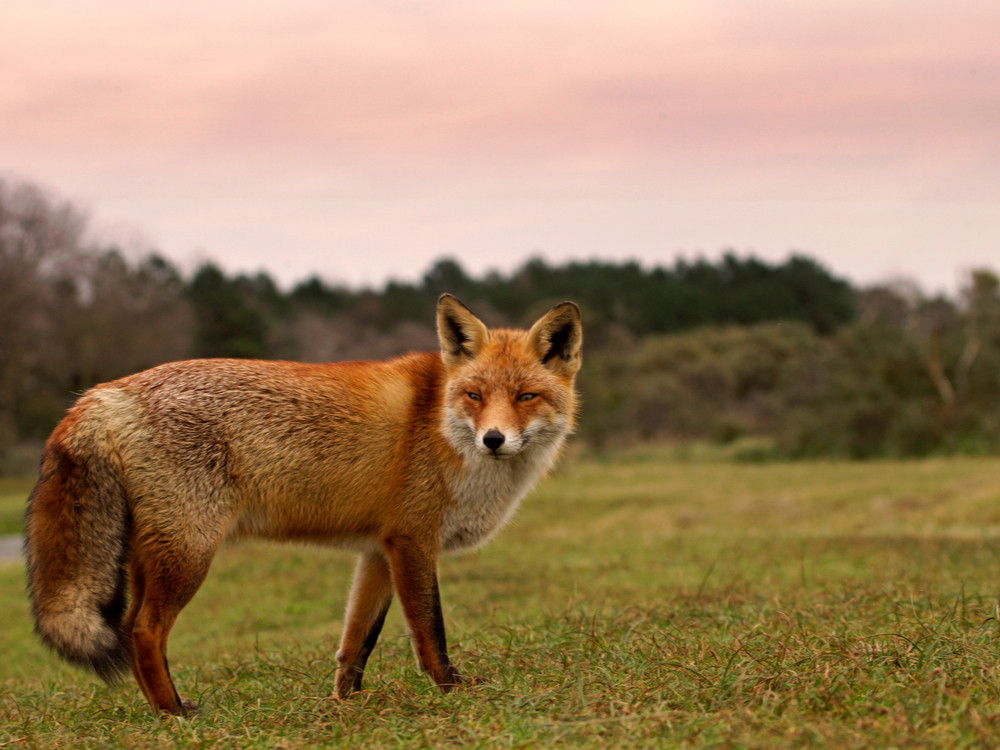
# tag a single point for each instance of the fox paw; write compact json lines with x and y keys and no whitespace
{"x":455,"y":680}
{"x":348,"y":682}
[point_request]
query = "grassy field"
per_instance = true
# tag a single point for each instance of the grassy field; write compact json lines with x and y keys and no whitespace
{"x":648,"y":601}
{"x":13,"y":493}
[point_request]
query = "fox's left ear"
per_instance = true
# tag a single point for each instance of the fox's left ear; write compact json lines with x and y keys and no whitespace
{"x":460,"y":332}
{"x":558,"y":338}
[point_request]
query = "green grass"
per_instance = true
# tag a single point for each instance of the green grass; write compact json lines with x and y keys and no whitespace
{"x":13,"y":495}
{"x":646,"y":601}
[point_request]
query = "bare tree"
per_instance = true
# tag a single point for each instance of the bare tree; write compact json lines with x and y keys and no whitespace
{"x":39,"y":237}
{"x":71,"y":314}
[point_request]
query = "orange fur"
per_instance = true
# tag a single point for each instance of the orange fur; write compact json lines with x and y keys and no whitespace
{"x":402,"y":460}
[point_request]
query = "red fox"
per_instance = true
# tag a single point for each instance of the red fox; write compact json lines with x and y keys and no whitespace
{"x":402,"y":460}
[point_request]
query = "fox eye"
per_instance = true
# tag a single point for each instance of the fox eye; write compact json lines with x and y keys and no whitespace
{"x":527,"y":397}
{"x":473,"y":396}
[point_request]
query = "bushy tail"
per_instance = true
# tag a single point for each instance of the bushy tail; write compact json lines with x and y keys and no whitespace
{"x":76,"y":546}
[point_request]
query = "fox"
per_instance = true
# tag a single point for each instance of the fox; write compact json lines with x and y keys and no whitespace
{"x":400,"y":460}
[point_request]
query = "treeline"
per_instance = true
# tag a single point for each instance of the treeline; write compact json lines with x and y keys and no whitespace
{"x":908,"y":376}
{"x":699,"y":350}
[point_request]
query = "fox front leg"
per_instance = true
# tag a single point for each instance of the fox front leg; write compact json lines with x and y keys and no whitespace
{"x":414,"y":575}
{"x":371,"y":595}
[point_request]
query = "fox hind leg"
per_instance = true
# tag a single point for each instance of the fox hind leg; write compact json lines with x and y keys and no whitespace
{"x":371,"y":595}
{"x":161,"y":587}
{"x":137,"y":590}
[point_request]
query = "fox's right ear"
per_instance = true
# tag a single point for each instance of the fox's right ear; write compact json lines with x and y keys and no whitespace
{"x":558,"y":337}
{"x":460,"y":332}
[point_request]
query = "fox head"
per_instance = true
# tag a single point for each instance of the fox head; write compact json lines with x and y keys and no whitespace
{"x":508,"y":391}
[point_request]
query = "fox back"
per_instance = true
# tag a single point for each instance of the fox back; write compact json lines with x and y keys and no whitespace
{"x":401,"y":460}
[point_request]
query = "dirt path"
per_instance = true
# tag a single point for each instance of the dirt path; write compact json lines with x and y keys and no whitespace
{"x":10,"y":548}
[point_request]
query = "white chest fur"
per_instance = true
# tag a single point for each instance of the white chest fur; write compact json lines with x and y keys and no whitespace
{"x":487,"y":493}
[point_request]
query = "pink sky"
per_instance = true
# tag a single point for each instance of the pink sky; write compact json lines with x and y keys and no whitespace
{"x":362,"y":140}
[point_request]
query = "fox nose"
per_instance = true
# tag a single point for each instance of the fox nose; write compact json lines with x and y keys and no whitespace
{"x":493,"y":439}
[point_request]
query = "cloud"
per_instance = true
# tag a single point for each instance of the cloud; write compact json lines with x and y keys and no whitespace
{"x":307,"y":80}
{"x":269,"y":122}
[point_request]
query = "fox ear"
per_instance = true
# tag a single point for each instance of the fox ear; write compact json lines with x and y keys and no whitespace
{"x":460,"y":332}
{"x":558,"y":338}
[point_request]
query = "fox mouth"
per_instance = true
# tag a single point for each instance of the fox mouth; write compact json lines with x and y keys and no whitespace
{"x":509,"y":450}
{"x":501,"y":454}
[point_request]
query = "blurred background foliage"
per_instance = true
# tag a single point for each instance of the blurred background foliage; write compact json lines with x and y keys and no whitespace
{"x":788,"y":353}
